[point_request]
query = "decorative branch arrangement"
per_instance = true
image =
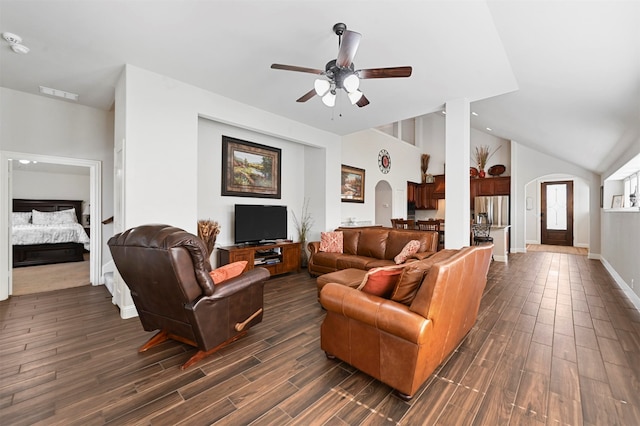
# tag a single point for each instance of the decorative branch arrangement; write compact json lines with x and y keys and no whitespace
{"x":483,"y":154}
{"x":304,"y":224}
{"x":208,"y":231}
{"x":424,"y":166}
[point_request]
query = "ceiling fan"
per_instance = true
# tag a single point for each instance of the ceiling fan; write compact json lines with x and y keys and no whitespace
{"x":340,"y":73}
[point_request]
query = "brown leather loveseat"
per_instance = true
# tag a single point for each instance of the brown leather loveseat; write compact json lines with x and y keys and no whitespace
{"x":366,"y":248}
{"x":402,"y":342}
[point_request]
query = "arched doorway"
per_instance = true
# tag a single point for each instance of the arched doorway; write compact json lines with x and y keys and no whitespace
{"x":383,"y":203}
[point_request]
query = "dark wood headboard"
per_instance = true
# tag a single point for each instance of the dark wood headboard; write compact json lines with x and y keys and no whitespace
{"x":22,"y":205}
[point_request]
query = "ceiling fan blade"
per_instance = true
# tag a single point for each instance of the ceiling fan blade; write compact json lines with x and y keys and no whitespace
{"x":295,"y":68}
{"x":385,"y":72}
{"x":304,"y":98}
{"x":348,"y":48}
{"x":363,"y":101}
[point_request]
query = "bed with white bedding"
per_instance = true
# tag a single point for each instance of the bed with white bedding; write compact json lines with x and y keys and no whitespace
{"x":47,"y":231}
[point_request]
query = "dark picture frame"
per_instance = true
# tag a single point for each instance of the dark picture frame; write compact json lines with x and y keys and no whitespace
{"x":250,"y":169}
{"x":352,"y":184}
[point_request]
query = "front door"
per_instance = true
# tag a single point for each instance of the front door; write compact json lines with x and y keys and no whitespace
{"x":557,"y":213}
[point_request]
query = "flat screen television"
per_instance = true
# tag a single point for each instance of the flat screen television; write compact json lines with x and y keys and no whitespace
{"x":260,"y":223}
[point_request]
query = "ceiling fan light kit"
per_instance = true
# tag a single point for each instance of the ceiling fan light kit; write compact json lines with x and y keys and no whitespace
{"x":341,"y":72}
{"x":15,"y":42}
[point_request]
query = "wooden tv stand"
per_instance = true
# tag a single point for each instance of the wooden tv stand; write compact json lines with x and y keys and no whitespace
{"x":278,"y":258}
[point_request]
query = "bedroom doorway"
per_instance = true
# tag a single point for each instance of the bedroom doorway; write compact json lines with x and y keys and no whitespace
{"x":6,"y":188}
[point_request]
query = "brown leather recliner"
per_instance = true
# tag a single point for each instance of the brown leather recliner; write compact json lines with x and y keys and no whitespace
{"x":401,"y":345}
{"x":167,"y":270}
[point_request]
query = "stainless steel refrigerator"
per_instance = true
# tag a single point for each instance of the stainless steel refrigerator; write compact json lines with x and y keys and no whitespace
{"x":495,"y":207}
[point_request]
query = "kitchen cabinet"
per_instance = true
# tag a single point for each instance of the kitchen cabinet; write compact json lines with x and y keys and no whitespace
{"x":500,"y":185}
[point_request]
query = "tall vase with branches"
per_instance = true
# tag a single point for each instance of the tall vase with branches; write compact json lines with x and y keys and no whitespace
{"x":208,"y":231}
{"x":482,"y":155}
{"x":303,"y":225}
{"x":424,"y":166}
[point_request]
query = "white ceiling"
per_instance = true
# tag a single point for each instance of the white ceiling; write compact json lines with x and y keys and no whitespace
{"x":562,"y":77}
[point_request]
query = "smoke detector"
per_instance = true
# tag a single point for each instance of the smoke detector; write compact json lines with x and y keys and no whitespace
{"x":15,"y":42}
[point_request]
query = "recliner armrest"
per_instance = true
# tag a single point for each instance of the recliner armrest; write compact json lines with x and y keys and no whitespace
{"x":236,"y":284}
{"x":386,"y":315}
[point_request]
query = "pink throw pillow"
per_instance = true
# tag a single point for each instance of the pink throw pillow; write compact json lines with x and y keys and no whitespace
{"x":410,"y":248}
{"x":331,"y":242}
{"x":228,"y":271}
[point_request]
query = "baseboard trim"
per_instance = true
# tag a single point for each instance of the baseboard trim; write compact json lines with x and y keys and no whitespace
{"x":127,"y":312}
{"x":635,"y":299}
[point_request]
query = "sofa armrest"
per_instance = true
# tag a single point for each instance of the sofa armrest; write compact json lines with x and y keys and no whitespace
{"x":385,"y":315}
{"x":313,"y":247}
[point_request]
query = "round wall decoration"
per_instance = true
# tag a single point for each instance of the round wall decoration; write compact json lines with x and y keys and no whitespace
{"x":384,"y":161}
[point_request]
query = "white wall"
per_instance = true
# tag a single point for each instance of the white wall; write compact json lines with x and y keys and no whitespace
{"x":161,"y":132}
{"x":431,"y":139}
{"x":211,"y":205}
{"x":621,"y":236}
{"x":529,"y":166}
{"x":53,"y":186}
{"x":361,"y":150}
{"x":41,"y":125}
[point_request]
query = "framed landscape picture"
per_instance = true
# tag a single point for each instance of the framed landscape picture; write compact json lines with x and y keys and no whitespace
{"x":250,"y":169}
{"x":352,"y":184}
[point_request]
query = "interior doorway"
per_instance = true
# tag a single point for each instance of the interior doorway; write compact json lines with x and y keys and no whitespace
{"x":384,"y":202}
{"x":95,"y":207}
{"x":556,"y":213}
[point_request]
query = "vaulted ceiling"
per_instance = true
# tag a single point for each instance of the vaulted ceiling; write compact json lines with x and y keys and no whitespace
{"x":562,"y":77}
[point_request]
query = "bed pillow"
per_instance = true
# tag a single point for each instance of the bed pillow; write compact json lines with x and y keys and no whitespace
{"x":21,"y":218}
{"x":228,"y":271}
{"x":381,"y":281}
{"x":410,"y":248}
{"x":54,"y":218}
{"x":331,"y":242}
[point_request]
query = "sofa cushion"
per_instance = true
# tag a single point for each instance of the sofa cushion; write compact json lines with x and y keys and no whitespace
{"x":352,"y":261}
{"x":373,"y":243}
{"x":413,"y":274}
{"x":378,"y":263}
{"x":381,"y":281}
{"x":410,"y":248}
{"x":350,"y":239}
{"x":331,"y":242}
{"x":399,"y":238}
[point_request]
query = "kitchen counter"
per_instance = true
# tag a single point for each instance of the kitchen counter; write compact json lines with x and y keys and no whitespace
{"x":500,"y":236}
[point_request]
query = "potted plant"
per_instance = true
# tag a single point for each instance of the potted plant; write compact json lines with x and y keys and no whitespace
{"x":303,"y":226}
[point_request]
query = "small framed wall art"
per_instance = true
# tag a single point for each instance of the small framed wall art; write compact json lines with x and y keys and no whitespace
{"x":352,"y":184}
{"x":250,"y":169}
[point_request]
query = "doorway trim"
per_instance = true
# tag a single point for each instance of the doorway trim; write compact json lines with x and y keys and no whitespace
{"x":95,"y":200}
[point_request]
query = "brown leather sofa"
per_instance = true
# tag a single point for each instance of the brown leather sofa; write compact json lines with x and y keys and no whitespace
{"x":167,"y":270}
{"x":372,"y":247}
{"x":401,"y":344}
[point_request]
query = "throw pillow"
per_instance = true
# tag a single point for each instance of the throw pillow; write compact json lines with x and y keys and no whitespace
{"x":381,"y":281}
{"x":53,"y":218}
{"x":331,"y":242}
{"x":412,"y":276}
{"x":228,"y":271}
{"x":410,"y":248}
{"x":21,"y":218}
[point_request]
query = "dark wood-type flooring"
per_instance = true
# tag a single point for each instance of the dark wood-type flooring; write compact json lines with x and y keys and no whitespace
{"x":556,"y":342}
